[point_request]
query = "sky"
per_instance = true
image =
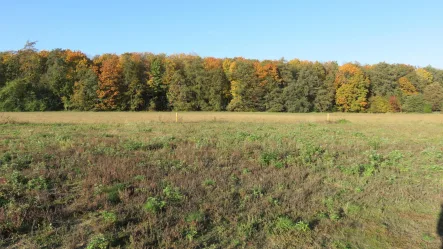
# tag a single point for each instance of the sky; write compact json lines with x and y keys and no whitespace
{"x":369,"y":32}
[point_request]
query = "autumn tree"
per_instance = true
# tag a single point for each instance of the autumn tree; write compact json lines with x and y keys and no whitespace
{"x":394,"y":104}
{"x":110,"y":88}
{"x":437,"y":74}
{"x":425,"y":77}
{"x":11,"y":66}
{"x":406,"y":87}
{"x":31,"y":64}
{"x":270,"y":83}
{"x":420,"y":79}
{"x":352,"y":88}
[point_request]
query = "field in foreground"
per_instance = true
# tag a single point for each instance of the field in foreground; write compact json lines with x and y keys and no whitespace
{"x":354,"y":183}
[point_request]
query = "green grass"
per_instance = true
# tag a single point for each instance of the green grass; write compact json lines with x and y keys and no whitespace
{"x":220,"y":185}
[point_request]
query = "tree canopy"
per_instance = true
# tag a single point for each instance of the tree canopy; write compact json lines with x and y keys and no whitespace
{"x":61,"y":79}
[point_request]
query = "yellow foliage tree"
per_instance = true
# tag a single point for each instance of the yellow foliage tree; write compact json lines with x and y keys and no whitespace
{"x":352,"y":87}
{"x":406,"y":86}
{"x":424,"y":75}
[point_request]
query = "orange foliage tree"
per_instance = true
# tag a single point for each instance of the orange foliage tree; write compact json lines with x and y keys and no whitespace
{"x":110,"y":85}
{"x":406,"y":86}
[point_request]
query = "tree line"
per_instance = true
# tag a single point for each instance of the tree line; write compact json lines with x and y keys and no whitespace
{"x":32,"y":80}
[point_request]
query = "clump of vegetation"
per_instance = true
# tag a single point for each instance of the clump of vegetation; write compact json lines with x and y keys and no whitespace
{"x":172,"y":193}
{"x":284,"y":225}
{"x":113,"y":192}
{"x":208,"y":182}
{"x":98,"y":242}
{"x":343,"y":121}
{"x":154,"y":205}
{"x":109,"y":217}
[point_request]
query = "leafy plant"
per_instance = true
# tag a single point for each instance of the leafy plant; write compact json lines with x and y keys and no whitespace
{"x":109,"y":217}
{"x":284,"y":224}
{"x":302,"y":226}
{"x":173,"y":194}
{"x":195,"y":217}
{"x":268,"y":157}
{"x":208,"y":182}
{"x":154,"y":205}
{"x":39,"y":183}
{"x":113,"y":192}
{"x":98,"y":242}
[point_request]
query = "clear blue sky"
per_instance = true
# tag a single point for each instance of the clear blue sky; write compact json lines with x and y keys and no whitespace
{"x":366,"y":31}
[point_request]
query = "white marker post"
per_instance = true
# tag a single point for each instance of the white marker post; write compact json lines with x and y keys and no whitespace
{"x":327,"y":117}
{"x":176,"y":117}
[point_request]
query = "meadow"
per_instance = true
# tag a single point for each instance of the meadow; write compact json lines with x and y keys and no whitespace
{"x":220,"y":180}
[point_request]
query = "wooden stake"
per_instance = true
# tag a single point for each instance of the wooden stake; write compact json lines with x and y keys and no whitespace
{"x":327,"y":117}
{"x":176,"y":117}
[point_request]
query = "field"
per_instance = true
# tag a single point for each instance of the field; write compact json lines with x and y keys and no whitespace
{"x":187,"y":117}
{"x":220,"y":180}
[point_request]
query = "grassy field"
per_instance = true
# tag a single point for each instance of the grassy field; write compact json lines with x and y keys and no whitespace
{"x":192,"y":117}
{"x":220,"y":180}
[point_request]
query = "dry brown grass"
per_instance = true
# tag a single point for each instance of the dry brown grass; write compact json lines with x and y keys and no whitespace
{"x":186,"y":117}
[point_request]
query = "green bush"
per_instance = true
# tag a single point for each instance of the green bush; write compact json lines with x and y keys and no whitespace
{"x":414,"y":103}
{"x":427,"y":108}
{"x":379,"y":105}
